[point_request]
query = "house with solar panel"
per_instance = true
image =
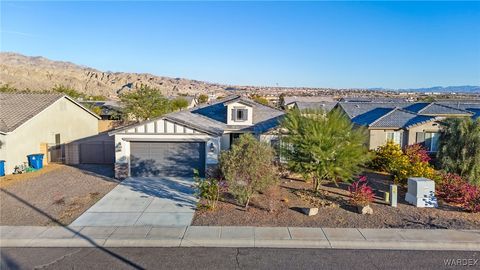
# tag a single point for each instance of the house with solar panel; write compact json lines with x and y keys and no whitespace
{"x":406,"y":123}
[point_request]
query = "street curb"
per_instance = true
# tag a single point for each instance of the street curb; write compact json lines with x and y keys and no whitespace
{"x":241,"y":237}
{"x":241,"y":243}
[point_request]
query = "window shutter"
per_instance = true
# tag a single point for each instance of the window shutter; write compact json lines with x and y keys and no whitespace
{"x":245,"y":114}
{"x":234,"y":114}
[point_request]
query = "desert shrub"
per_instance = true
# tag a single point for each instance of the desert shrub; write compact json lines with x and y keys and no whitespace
{"x":413,"y":162}
{"x":360,"y":193}
{"x":179,"y":103}
{"x":202,"y":98}
{"x":208,"y":189}
{"x":248,"y":168}
{"x":459,"y":149}
{"x":323,"y":146}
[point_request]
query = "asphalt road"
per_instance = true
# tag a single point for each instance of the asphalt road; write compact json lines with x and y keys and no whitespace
{"x":231,"y":258}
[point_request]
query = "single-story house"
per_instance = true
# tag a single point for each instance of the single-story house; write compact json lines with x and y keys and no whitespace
{"x":177,"y":143}
{"x":38,"y":123}
{"x":404,"y":123}
{"x":110,"y":112}
{"x":289,"y":102}
{"x":320,"y":105}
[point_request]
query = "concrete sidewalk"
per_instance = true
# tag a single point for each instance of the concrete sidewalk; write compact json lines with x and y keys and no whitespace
{"x":279,"y":237}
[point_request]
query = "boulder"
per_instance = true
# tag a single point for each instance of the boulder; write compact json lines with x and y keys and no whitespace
{"x":310,"y":211}
{"x":365,"y":210}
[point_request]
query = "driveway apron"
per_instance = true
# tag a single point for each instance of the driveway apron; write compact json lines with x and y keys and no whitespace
{"x":146,"y":201}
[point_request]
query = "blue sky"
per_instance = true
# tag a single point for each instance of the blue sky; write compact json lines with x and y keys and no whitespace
{"x":317,"y":44}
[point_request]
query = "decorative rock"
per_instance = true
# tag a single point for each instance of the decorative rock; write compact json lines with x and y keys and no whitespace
{"x":310,"y":211}
{"x":365,"y":210}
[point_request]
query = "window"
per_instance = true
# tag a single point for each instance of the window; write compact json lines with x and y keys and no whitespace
{"x":240,"y":114}
{"x":395,"y":136}
{"x":429,"y":140}
{"x":57,"y":139}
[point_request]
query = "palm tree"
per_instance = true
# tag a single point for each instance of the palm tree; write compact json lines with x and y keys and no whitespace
{"x":323,"y":146}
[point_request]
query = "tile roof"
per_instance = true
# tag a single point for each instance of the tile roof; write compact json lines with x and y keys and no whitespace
{"x":353,"y":109}
{"x":403,"y":114}
{"x":292,"y":99}
{"x":212,"y":117}
{"x":17,"y":108}
{"x":324,"y":105}
{"x":435,"y":109}
{"x":197,"y":121}
{"x":400,"y":118}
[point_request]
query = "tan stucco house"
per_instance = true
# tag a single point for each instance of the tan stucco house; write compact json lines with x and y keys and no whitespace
{"x":177,"y":143}
{"x":32,"y":123}
{"x":404,"y":123}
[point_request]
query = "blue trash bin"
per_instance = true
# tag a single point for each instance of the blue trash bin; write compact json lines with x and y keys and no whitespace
{"x":35,"y":161}
{"x":2,"y":167}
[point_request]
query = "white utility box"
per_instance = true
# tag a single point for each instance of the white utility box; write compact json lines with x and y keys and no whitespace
{"x":421,"y":192}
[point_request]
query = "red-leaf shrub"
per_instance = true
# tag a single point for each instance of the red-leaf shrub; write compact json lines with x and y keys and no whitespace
{"x":360,"y":193}
{"x":471,"y":201}
{"x":451,"y":188}
{"x":454,"y":189}
{"x":417,"y":153}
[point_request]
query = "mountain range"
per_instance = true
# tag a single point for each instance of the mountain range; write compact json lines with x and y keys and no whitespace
{"x":39,"y":73}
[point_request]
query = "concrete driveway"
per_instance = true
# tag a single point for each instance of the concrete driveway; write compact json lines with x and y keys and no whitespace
{"x":144,"y":201}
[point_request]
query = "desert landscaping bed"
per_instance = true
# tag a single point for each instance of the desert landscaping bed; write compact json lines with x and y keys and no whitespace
{"x":279,"y":207}
{"x":55,"y":195}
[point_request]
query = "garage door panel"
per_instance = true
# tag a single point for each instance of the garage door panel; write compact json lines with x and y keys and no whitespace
{"x":166,"y":158}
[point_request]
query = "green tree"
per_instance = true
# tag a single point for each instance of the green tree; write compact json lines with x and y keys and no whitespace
{"x":179,"y":103}
{"x":69,"y":92}
{"x":202,"y":98}
{"x":459,"y":148}
{"x":281,"y":100}
{"x":248,"y":167}
{"x":260,"y":99}
{"x":145,"y":103}
{"x":6,"y":88}
{"x":323,"y":146}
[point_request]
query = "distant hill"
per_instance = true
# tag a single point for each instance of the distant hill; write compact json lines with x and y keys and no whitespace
{"x":39,"y":73}
{"x":467,"y":89}
{"x":448,"y":89}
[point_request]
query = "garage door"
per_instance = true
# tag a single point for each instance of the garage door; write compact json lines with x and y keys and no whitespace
{"x":166,"y":158}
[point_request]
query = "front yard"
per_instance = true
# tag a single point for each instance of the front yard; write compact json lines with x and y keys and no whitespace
{"x":55,"y":195}
{"x":278,"y":207}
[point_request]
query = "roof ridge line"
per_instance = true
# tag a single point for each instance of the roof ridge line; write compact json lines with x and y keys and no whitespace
{"x":450,"y":107}
{"x":381,"y":117}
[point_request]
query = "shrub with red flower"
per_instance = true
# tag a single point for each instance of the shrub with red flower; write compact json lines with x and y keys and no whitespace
{"x":360,"y":193}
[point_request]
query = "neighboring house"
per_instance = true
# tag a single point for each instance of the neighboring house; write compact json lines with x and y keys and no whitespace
{"x":177,"y":143}
{"x":404,"y":123}
{"x":41,"y":123}
{"x":291,"y":101}
{"x":321,"y":105}
{"x":110,"y":112}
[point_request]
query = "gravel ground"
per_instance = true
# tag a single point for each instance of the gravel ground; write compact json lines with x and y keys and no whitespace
{"x":55,"y":197}
{"x":279,"y":209}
